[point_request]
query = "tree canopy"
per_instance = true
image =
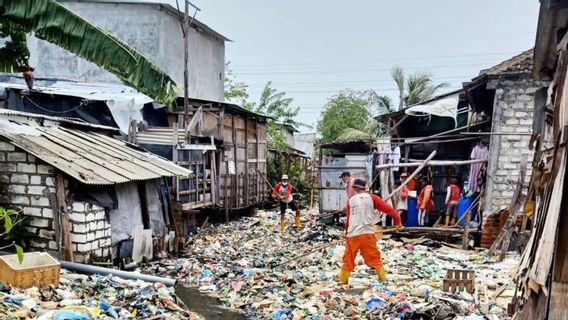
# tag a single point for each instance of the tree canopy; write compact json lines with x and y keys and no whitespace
{"x":55,"y":23}
{"x":347,"y":109}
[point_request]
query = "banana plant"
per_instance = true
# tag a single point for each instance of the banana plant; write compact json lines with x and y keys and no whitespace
{"x":55,"y":23}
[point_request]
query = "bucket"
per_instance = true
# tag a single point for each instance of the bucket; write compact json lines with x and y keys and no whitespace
{"x":463,"y":205}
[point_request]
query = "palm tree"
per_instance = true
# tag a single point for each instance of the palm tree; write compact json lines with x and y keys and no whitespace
{"x":277,"y":106}
{"x":412,"y":89}
{"x":53,"y":22}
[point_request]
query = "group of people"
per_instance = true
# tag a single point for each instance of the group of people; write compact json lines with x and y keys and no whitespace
{"x":362,"y":216}
{"x":425,"y":201}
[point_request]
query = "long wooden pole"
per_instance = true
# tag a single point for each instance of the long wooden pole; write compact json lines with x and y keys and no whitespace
{"x":421,"y":166}
{"x":435,"y":163}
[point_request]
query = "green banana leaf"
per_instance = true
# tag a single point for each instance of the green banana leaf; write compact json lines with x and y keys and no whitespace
{"x":57,"y":24}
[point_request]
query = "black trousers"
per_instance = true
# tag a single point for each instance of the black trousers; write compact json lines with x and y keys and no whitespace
{"x":292,"y":204}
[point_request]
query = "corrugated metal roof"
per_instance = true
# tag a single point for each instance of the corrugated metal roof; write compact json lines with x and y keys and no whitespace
{"x":67,"y":120}
{"x":88,"y":156}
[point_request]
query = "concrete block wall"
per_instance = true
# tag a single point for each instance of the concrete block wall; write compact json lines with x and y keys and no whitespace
{"x":90,"y":232}
{"x":31,"y":186}
{"x":512,"y":112}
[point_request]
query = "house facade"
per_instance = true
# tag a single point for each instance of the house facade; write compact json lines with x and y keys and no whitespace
{"x":154,"y":29}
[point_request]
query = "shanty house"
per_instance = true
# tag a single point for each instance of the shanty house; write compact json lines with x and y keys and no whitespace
{"x":497,"y":106}
{"x":225,"y":146}
{"x":88,"y":193}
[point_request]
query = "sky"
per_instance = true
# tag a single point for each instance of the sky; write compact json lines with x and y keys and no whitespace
{"x":313,"y":49}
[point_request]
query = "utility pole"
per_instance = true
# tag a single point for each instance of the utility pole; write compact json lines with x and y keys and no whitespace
{"x":186,"y":25}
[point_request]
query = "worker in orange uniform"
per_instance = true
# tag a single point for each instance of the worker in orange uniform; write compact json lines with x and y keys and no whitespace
{"x":359,"y":233}
{"x":425,"y":203}
{"x":452,"y":198}
{"x":283,"y":192}
{"x":411,"y":185}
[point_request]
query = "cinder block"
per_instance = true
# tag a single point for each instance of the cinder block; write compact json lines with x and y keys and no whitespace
{"x":39,"y":245}
{"x":31,"y":211}
{"x":90,"y":236}
{"x":47,"y":213}
{"x":44,"y":169}
{"x":17,"y":157}
{"x":39,"y":222}
{"x":79,"y":228}
{"x":47,"y":234}
{"x":78,"y":238}
{"x":100,"y":225}
{"x":20,"y":200}
{"x":4,"y":178}
{"x":36,"y":190}
{"x":99,"y":234}
{"x":35,"y":179}
{"x":100,"y":215}
{"x":78,"y":206}
{"x":84,"y":247}
{"x":27,"y":168}
{"x":77,"y":216}
{"x":526,"y":122}
{"x":6,"y":146}
{"x":49,"y":181}
{"x":40,"y":201}
{"x":53,"y":245}
{"x":20,"y":178}
{"x":17,"y":189}
{"x":104,"y":242}
{"x":31,"y":158}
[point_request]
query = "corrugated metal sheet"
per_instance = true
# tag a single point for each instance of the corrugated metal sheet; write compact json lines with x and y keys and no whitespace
{"x":67,"y":120}
{"x":87,"y":156}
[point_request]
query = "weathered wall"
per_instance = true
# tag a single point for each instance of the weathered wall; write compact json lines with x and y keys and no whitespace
{"x":90,"y":231}
{"x":151,"y":29}
{"x":512,"y":112}
{"x":31,"y":188}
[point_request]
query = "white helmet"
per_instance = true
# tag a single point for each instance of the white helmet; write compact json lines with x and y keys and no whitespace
{"x":284,"y":177}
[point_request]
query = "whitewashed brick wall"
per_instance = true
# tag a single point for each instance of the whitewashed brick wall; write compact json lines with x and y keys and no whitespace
{"x":31,"y":188}
{"x":512,"y":112}
{"x":90,"y":232}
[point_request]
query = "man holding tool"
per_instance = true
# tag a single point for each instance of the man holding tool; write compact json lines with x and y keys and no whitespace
{"x":283,"y":192}
{"x":359,"y":232}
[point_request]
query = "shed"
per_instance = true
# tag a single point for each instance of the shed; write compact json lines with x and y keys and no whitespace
{"x":355,"y":156}
{"x":83,"y":188}
{"x":223,"y":143}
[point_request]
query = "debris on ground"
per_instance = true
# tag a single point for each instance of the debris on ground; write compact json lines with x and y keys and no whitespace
{"x":249,"y":265}
{"x":82,"y":297}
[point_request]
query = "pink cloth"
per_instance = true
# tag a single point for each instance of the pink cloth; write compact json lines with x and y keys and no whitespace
{"x":479,"y":152}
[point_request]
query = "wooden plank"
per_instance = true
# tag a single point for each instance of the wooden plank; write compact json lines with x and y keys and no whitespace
{"x":558,"y":302}
{"x":246,"y":186}
{"x":65,"y":225}
{"x":144,"y":203}
{"x":465,"y":240}
{"x":56,"y":223}
{"x":225,"y":203}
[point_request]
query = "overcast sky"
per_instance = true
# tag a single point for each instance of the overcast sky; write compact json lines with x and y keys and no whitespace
{"x":312,"y":49}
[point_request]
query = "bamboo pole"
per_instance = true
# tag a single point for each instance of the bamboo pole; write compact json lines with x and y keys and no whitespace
{"x":434,"y":163}
{"x":421,"y":166}
{"x":497,"y":133}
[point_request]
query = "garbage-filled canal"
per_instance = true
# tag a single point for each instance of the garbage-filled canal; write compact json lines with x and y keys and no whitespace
{"x":207,"y":307}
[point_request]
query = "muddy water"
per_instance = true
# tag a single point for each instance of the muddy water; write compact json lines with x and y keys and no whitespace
{"x":208,"y":307}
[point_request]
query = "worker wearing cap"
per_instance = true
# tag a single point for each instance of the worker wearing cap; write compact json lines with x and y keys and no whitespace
{"x":359,"y":233}
{"x":283,"y":192}
{"x":347,"y":181}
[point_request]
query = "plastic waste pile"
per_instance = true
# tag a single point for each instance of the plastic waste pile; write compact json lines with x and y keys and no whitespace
{"x":249,"y":265}
{"x":81,"y":297}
